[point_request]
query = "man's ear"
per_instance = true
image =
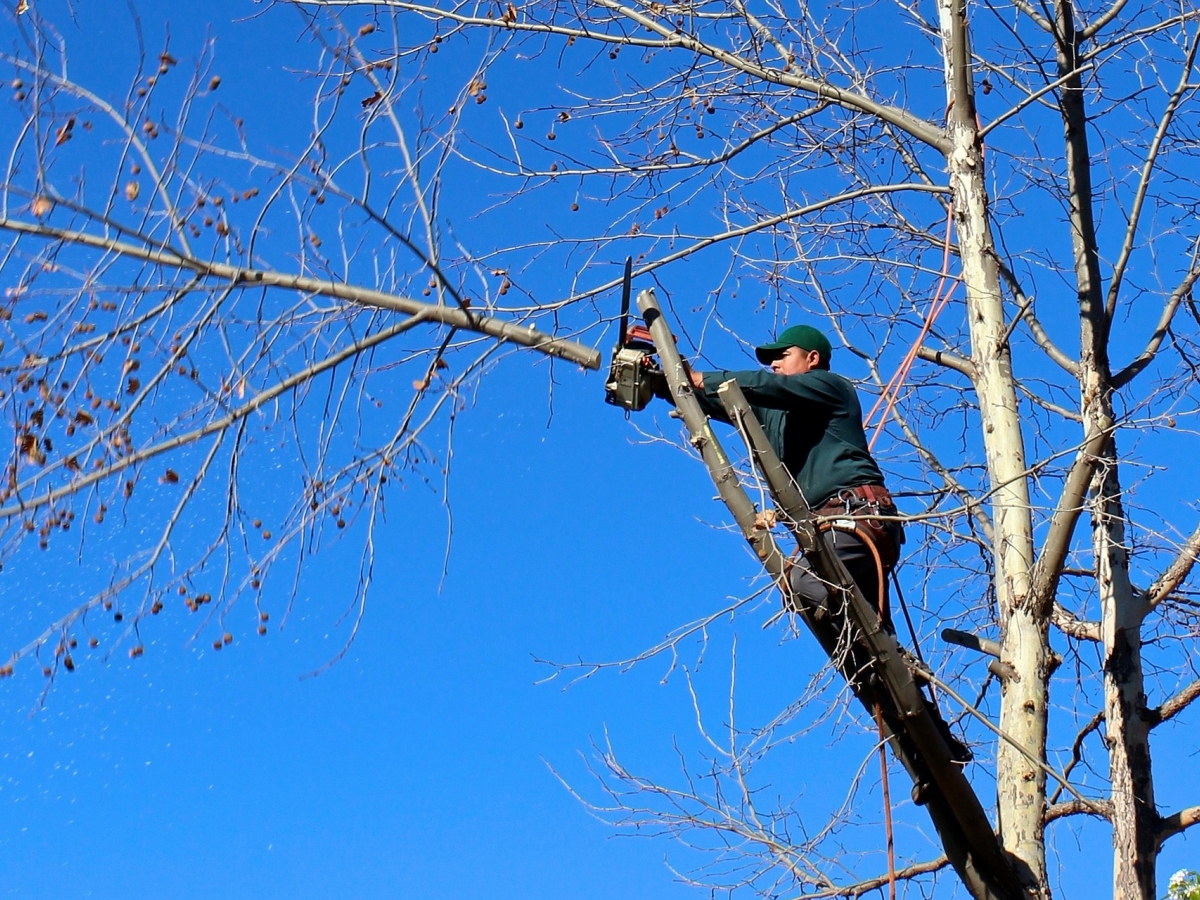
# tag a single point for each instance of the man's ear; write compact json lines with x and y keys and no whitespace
{"x":814,"y":359}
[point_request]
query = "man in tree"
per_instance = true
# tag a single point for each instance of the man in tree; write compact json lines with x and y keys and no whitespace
{"x":813,"y":420}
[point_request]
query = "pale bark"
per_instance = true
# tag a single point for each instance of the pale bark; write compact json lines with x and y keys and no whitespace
{"x":1021,"y":785}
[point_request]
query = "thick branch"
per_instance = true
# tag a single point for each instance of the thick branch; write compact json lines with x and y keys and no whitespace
{"x":455,"y":317}
{"x":1101,"y":809}
{"x":1171,"y":825}
{"x":1175,"y":705}
{"x":949,"y":360}
{"x":1068,"y":623}
{"x":1111,"y":13}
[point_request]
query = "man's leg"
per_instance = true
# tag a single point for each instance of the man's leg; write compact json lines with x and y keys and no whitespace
{"x":859,"y":562}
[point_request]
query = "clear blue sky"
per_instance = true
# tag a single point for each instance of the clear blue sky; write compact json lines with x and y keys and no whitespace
{"x":420,"y":765}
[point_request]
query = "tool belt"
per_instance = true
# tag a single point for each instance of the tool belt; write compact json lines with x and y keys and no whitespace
{"x":859,"y":505}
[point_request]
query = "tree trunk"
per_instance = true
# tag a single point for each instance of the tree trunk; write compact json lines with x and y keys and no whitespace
{"x":1121,"y":609}
{"x":1021,"y":786}
{"x":1135,"y":816}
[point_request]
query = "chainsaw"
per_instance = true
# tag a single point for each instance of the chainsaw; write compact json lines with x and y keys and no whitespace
{"x":635,"y":366}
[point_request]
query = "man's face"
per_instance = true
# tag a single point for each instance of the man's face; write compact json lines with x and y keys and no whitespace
{"x":795,"y":361}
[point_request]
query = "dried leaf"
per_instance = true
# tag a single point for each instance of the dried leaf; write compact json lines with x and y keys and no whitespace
{"x":132,"y":189}
{"x":170,"y":477}
{"x":41,"y":206}
{"x":421,"y":385}
{"x":23,"y":7}
{"x":765,"y":520}
{"x":373,"y":99}
{"x":64,"y":133}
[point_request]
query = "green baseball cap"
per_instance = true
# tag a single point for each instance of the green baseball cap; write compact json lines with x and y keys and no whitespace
{"x":803,"y":336}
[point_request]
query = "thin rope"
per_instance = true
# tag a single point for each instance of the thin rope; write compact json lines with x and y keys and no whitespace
{"x":891,"y":393}
{"x":887,"y":803}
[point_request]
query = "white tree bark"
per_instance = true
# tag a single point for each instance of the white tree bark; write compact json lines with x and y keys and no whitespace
{"x":1021,"y":786}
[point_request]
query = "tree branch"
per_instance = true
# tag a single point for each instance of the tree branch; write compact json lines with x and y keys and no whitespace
{"x":1175,"y":705}
{"x":921,"y":129}
{"x":1144,"y":359}
{"x":1169,"y":826}
{"x":1139,"y":198}
{"x":1040,"y":337}
{"x":1175,"y":573}
{"x":455,"y":317}
{"x":949,"y":360}
{"x":1111,"y":13}
{"x":1048,"y":569}
{"x":1077,"y":750}
{"x":872,"y":884}
{"x":218,"y":425}
{"x":1068,"y":623}
{"x":1101,"y":809}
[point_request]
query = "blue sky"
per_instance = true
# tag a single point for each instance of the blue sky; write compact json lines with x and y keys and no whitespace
{"x":421,"y":764}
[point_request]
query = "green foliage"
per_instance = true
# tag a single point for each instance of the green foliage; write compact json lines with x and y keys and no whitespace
{"x":1184,"y":885}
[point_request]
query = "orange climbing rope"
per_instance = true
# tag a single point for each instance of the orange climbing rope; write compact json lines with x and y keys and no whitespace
{"x":887,"y":802}
{"x":887,"y":399}
{"x":891,"y":393}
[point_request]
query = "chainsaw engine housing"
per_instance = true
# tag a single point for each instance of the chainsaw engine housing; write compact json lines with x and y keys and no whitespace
{"x":628,"y":385}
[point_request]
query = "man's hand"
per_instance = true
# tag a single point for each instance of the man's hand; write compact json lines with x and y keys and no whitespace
{"x":696,"y":378}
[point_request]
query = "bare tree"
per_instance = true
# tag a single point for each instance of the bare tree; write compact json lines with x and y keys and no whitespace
{"x":829,"y":161}
{"x":200,"y":338}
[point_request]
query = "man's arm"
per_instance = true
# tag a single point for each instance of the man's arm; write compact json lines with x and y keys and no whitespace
{"x":709,"y":404}
{"x":771,"y":391}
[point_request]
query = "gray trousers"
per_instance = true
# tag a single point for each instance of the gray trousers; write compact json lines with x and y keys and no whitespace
{"x":859,"y":562}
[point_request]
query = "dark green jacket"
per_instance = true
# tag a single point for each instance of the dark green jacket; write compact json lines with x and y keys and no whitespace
{"x":814,"y":423}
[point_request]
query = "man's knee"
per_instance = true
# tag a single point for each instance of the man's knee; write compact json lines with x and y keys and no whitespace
{"x":807,"y":588}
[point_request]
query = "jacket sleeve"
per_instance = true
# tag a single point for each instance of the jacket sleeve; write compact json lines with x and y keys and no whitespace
{"x":771,"y":391}
{"x":710,"y":403}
